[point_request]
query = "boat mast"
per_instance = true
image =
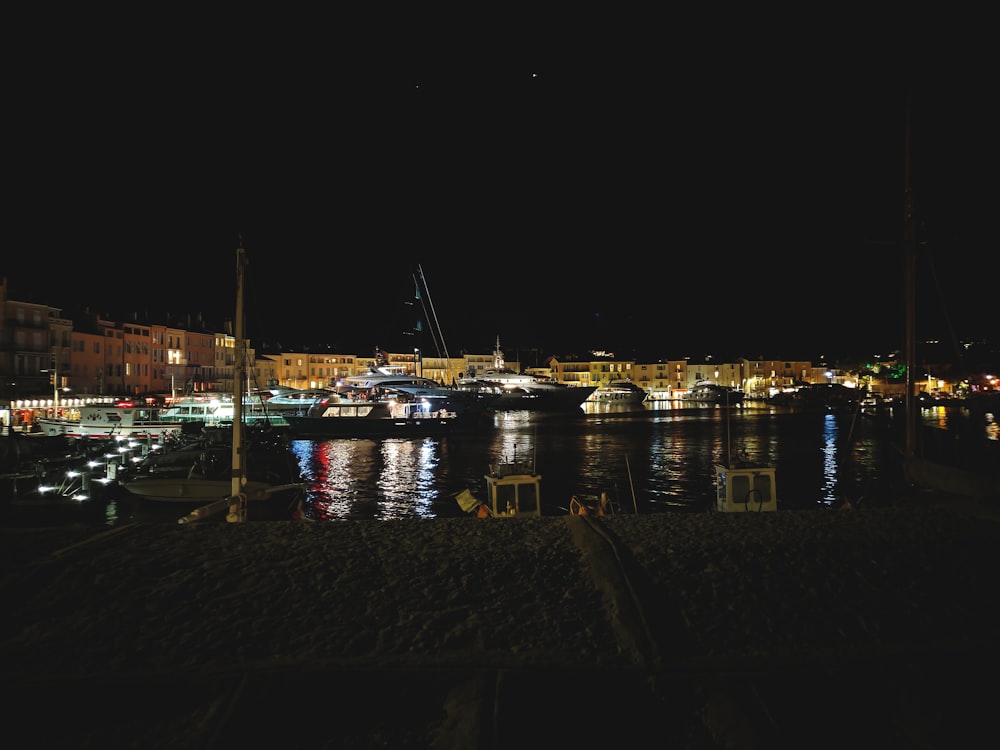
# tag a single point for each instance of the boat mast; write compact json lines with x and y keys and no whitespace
{"x":236,"y":489}
{"x":437,"y":335}
{"x":909,"y":292}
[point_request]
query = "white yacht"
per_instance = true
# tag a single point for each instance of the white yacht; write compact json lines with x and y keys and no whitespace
{"x":124,"y":419}
{"x":217,"y":410}
{"x":516,"y":391}
{"x":618,"y":392}
{"x":382,"y":381}
{"x":295,"y":400}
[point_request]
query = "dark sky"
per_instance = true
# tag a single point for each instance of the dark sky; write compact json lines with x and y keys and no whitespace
{"x":739,"y":197}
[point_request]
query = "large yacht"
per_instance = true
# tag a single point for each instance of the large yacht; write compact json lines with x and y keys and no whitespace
{"x":707,"y":392}
{"x":218,"y":410}
{"x":618,"y":392}
{"x":294,"y":400}
{"x":525,"y":391}
{"x":360,"y":414}
{"x":382,"y":382}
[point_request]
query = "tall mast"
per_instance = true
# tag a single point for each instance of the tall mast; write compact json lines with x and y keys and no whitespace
{"x":238,"y":371}
{"x":910,"y":293}
{"x":437,"y":335}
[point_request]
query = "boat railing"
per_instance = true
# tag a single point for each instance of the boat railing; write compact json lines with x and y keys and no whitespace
{"x":510,"y":468}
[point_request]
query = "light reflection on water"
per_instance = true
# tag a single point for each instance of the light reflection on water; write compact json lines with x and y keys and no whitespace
{"x":831,"y":471}
{"x":373,"y":479}
{"x":651,"y":458}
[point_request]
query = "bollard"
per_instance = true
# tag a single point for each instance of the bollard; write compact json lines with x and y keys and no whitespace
{"x":238,"y":509}
{"x":205,"y":511}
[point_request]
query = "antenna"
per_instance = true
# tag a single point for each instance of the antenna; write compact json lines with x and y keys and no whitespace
{"x":729,"y":443}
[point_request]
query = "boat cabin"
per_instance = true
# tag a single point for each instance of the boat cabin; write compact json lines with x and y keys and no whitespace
{"x":745,"y":488}
{"x":514,"y":490}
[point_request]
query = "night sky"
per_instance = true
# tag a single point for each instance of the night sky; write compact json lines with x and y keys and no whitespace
{"x":751,"y":191}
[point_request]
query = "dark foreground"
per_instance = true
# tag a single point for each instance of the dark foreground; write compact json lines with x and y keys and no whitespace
{"x":871,"y":628}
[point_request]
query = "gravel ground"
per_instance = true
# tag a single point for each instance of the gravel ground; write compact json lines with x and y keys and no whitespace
{"x":801,"y":628}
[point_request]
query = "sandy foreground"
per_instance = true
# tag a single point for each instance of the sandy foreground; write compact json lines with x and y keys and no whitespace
{"x":871,"y":628}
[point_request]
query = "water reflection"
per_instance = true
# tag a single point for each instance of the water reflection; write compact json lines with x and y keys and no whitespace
{"x":653,"y":457}
{"x":368,"y":479}
{"x":515,"y":438}
{"x":647,"y":459}
{"x":831,"y":465}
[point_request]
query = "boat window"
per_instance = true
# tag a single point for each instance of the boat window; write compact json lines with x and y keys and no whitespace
{"x":765,"y":487}
{"x":506,"y":494}
{"x":741,"y":488}
{"x":527,"y":499}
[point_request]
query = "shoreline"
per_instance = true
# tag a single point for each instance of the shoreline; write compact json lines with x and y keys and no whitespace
{"x":690,"y":611}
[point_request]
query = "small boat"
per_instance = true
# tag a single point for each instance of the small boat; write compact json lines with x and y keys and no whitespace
{"x":516,"y":391}
{"x":197,"y":490}
{"x":199,"y":470}
{"x":743,"y":485}
{"x":591,"y":505}
{"x":513,"y":489}
{"x":618,"y":392}
{"x":707,"y":392}
{"x":260,"y":467}
{"x":124,"y":419}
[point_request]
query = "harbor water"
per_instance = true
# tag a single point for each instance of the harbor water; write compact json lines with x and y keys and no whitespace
{"x":654,"y":457}
{"x":649,"y":458}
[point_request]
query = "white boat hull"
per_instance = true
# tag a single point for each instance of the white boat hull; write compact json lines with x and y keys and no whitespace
{"x":103,"y":430}
{"x":194,"y":490}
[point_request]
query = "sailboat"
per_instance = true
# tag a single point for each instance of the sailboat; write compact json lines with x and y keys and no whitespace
{"x":232,"y":493}
{"x":920,"y":470}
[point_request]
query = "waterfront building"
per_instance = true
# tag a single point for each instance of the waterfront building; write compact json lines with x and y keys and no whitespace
{"x":570,"y":370}
{"x":46,"y":357}
{"x":606,"y":367}
{"x":306,"y":370}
